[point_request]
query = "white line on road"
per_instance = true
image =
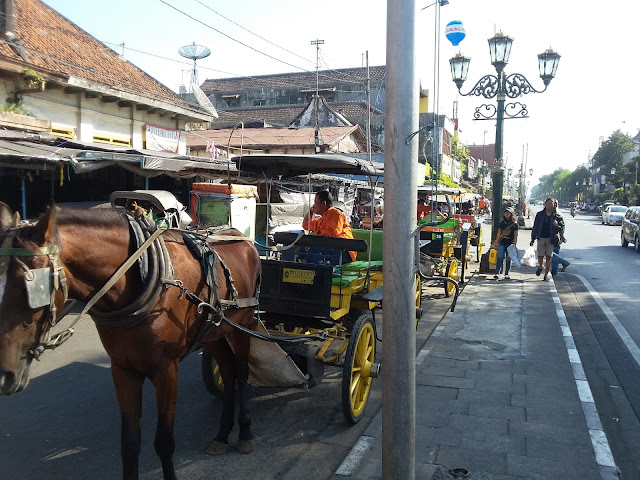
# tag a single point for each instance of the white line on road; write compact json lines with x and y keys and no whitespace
{"x":599,"y":442}
{"x":622,"y":332}
{"x":350,"y":464}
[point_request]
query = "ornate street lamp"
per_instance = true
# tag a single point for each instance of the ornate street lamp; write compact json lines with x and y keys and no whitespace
{"x":501,"y":86}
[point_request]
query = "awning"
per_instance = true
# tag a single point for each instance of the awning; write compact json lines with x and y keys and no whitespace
{"x":274,"y":165}
{"x":38,"y":152}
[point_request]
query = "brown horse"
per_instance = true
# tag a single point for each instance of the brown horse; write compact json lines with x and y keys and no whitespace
{"x":82,"y":250}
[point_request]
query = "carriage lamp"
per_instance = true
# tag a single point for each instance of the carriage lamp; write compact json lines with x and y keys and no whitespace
{"x":502,"y":86}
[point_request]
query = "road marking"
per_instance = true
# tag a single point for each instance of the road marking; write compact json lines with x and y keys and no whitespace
{"x":622,"y":332}
{"x":351,"y":463}
{"x":599,"y":442}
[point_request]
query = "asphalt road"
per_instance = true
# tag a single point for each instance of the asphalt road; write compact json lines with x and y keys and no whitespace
{"x":599,"y":294}
{"x":66,"y":423}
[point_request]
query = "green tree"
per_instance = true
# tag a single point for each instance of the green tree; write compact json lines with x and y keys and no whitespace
{"x":609,"y":156}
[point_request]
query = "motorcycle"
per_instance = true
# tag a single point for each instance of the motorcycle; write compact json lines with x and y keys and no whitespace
{"x":573,"y":211}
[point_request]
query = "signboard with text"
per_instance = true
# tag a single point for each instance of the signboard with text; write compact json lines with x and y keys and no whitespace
{"x":161,"y":139}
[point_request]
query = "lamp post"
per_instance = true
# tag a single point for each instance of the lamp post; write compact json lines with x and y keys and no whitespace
{"x":501,"y":86}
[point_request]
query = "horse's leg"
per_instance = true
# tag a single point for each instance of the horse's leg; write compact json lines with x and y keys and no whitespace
{"x":245,"y":437}
{"x":225,"y":358}
{"x":129,"y":391}
{"x":166,"y":384}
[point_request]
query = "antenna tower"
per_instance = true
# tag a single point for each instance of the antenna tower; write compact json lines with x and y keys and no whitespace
{"x":195,"y":53}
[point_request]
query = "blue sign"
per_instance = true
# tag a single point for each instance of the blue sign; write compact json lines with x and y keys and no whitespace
{"x":455,"y":32}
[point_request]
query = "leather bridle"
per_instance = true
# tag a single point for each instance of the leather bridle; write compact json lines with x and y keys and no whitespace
{"x":41,"y":284}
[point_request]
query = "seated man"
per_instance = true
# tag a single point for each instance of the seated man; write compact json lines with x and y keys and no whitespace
{"x":423,"y":209}
{"x":331,"y":223}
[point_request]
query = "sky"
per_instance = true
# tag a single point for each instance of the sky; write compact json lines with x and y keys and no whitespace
{"x":592,"y":95}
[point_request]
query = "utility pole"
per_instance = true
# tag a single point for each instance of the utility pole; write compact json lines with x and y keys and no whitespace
{"x":400,"y":185}
{"x":317,"y":43}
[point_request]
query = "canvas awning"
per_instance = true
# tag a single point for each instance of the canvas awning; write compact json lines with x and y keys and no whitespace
{"x":38,"y":152}
{"x":274,"y":165}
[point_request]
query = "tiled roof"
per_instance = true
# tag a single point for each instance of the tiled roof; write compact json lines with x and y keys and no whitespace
{"x":57,"y":45}
{"x":284,"y":114}
{"x":295,"y":80}
{"x":260,"y":138}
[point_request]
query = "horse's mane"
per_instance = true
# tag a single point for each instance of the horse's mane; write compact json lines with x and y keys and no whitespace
{"x":97,"y":217}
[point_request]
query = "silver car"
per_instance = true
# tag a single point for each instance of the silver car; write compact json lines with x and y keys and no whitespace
{"x":613,"y":214}
{"x":630,"y":225}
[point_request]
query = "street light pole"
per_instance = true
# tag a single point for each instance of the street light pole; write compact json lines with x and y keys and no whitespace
{"x":501,"y":86}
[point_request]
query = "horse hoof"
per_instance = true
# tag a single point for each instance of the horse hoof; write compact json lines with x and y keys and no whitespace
{"x":245,"y":446}
{"x":217,"y":448}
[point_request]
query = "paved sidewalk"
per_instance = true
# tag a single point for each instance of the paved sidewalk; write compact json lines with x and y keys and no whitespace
{"x":500,"y":392}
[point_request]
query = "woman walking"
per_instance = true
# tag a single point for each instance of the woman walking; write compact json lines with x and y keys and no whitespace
{"x":507,"y":235}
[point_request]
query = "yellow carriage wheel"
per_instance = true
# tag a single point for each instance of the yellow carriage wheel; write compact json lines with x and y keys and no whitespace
{"x":452,"y":273}
{"x":211,"y":374}
{"x":356,"y":372}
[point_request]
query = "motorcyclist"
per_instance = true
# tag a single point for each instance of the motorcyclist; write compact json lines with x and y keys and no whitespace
{"x":573,"y":209}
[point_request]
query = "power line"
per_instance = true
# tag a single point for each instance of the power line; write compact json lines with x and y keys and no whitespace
{"x":231,"y":38}
{"x":253,"y":33}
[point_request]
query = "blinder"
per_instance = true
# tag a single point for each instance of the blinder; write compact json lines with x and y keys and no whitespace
{"x":39,"y":288}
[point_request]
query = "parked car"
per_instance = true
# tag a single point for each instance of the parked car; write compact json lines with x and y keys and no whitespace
{"x":603,"y":206}
{"x":629,"y":233}
{"x":613,"y":214}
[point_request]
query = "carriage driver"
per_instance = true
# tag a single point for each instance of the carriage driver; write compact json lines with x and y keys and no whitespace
{"x":331,"y":223}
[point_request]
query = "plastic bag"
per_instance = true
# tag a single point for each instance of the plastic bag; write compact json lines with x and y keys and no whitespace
{"x":530,"y":258}
{"x":514,"y":255}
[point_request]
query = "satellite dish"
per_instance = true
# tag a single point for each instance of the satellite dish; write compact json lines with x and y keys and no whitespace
{"x":195,"y":53}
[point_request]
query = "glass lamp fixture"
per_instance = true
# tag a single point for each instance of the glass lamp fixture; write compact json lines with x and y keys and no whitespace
{"x":459,"y":69}
{"x":548,"y":63}
{"x":500,"y":49}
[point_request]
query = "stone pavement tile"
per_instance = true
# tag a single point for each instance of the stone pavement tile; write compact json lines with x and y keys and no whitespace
{"x":493,"y":442}
{"x":474,"y":460}
{"x":485,"y":396}
{"x":436,"y":415}
{"x":426,"y":450}
{"x":497,"y":411}
{"x":541,"y":469}
{"x":569,"y":435}
{"x":483,"y":376}
{"x":495,"y":384}
{"x":502,"y":365}
{"x":470,"y":422}
{"x":444,"y":371}
{"x":560,"y":452}
{"x":568,"y":417}
{"x":442,"y":381}
{"x":546,"y":398}
{"x":438,"y":436}
{"x":435,"y":394}
{"x":543,"y":368}
{"x":538,"y":381}
{"x":425,"y":471}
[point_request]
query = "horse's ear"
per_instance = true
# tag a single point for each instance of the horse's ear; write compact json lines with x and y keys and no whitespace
{"x":6,"y":216}
{"x":47,"y":223}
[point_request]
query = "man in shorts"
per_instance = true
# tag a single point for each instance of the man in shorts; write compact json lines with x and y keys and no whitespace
{"x":544,"y":228}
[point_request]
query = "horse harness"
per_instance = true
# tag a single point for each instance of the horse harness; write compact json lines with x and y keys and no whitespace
{"x":156,"y":271}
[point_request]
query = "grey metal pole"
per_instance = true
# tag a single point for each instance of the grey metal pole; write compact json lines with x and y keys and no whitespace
{"x":400,"y":184}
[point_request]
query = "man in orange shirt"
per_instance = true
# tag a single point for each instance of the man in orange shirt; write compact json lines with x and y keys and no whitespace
{"x":332,"y":223}
{"x":423,"y":209}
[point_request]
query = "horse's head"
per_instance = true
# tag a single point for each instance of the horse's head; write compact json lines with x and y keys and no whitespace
{"x":28,"y":293}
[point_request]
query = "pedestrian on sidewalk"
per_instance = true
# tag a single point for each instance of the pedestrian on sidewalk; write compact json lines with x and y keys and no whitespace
{"x":544,"y":229}
{"x":558,"y":240}
{"x":507,"y":235}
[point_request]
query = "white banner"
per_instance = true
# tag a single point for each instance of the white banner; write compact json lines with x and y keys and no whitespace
{"x":161,"y":139}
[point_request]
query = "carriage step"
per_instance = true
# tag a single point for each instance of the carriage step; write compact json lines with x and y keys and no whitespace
{"x":374,"y":295}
